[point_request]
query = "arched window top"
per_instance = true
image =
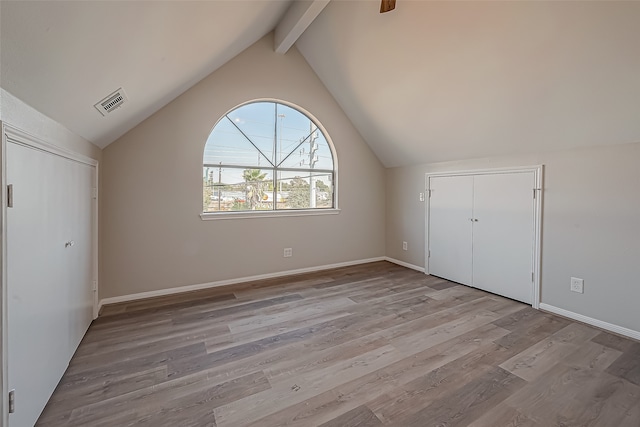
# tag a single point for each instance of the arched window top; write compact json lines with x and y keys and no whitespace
{"x":267,"y":156}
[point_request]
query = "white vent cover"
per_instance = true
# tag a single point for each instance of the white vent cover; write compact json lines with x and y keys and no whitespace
{"x":111,"y":102}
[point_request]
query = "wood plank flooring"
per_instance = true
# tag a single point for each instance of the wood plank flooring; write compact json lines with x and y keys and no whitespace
{"x":369,"y":345}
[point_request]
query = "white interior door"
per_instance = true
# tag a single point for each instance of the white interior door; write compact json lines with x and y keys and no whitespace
{"x":79,"y":257}
{"x":49,"y":299}
{"x":450,"y":227}
{"x":503,"y":234}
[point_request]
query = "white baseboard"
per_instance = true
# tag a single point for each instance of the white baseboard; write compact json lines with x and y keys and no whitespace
{"x":404,"y":264}
{"x":189,"y":288}
{"x":591,"y":321}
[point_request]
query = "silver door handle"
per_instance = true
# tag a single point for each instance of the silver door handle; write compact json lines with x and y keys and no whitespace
{"x":69,"y":243}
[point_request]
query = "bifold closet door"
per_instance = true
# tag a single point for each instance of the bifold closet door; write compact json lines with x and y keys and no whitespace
{"x":49,"y":272}
{"x":503,"y":234}
{"x":450,"y":228}
{"x":79,"y":257}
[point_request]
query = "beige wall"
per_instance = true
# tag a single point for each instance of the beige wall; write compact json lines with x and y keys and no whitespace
{"x":152,"y":237}
{"x":591,"y":227}
{"x":16,"y":113}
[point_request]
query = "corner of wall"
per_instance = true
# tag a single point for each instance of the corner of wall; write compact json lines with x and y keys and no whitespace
{"x":18,"y":114}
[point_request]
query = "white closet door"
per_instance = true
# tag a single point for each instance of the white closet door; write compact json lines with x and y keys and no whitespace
{"x":450,"y":226}
{"x":46,"y":279}
{"x":79,"y":257}
{"x":503,"y":235}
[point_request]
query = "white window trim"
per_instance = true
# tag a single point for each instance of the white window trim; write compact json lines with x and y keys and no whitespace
{"x":208,"y":216}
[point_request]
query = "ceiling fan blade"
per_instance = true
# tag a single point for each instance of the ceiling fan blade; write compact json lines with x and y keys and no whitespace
{"x":387,"y":5}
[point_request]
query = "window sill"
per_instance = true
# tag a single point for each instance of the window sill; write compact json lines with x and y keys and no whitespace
{"x":208,"y":216}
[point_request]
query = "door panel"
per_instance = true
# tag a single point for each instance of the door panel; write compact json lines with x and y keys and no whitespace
{"x":35,"y":303}
{"x":503,"y":235}
{"x":47,"y":289}
{"x":80,"y":255}
{"x":450,"y":226}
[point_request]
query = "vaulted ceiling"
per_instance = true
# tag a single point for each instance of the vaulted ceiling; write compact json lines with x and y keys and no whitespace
{"x":438,"y":81}
{"x":430,"y":81}
{"x":62,"y":57}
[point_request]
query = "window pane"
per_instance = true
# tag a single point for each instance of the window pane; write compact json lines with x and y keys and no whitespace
{"x":304,"y":190}
{"x":314,"y":153}
{"x":324,"y":190}
{"x":293,"y":130}
{"x":227,"y":145}
{"x":257,"y":122}
{"x":235,"y":189}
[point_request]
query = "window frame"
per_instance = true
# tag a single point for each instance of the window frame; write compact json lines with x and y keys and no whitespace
{"x":276,"y":212}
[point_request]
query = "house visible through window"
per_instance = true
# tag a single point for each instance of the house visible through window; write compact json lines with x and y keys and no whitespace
{"x":265,"y":156}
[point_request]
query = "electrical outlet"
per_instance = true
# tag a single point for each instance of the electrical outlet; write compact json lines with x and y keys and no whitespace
{"x":577,"y":285}
{"x":404,"y":246}
{"x":288,"y":252}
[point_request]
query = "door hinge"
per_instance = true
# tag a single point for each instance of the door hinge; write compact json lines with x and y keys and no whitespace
{"x":12,"y":401}
{"x":94,"y":193}
{"x":532,"y":276}
{"x":95,"y":285}
{"x":429,"y":192}
{"x":429,"y":255}
{"x":10,"y":195}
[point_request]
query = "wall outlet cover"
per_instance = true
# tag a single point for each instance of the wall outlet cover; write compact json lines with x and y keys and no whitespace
{"x":577,"y":285}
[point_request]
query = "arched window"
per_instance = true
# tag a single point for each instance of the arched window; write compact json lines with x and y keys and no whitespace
{"x":267,"y":156}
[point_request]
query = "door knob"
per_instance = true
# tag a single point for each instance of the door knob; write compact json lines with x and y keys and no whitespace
{"x":69,"y":243}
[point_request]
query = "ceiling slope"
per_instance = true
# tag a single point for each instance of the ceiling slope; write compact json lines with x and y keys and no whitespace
{"x":438,"y":81}
{"x":297,"y":19}
{"x":61,"y":57}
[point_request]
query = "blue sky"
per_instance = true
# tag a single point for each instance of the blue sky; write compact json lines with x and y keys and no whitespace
{"x":262,"y":123}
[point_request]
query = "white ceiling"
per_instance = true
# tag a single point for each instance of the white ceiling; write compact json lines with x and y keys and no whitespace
{"x":430,"y":81}
{"x":438,"y":81}
{"x":61,"y":57}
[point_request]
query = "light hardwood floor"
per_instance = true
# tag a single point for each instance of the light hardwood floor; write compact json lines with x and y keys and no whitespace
{"x":369,"y":345}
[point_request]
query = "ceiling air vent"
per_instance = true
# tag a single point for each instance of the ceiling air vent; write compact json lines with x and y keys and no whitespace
{"x":111,"y":102}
